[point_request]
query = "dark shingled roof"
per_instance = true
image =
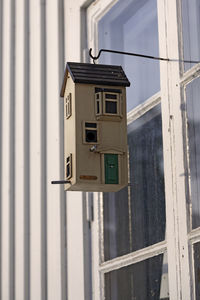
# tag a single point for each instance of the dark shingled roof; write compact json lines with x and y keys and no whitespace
{"x":95,"y":74}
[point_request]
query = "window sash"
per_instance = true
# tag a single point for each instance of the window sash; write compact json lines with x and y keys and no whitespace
{"x":94,"y":15}
{"x":172,"y":80}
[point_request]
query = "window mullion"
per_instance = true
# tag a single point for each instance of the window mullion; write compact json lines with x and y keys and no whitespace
{"x":133,"y":257}
{"x":176,"y":211}
{"x":143,"y":108}
{"x":191,"y":74}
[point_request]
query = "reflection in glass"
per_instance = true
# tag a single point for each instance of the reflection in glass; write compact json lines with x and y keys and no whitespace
{"x":134,"y":218}
{"x":197,"y":269}
{"x":147,"y":181}
{"x":193,"y":122}
{"x":191,"y":30}
{"x":132,"y":26}
{"x":146,"y":280}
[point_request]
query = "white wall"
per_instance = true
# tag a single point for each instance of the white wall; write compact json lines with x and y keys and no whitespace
{"x":78,"y":262}
{"x":43,"y":231}
{"x":32,"y":210}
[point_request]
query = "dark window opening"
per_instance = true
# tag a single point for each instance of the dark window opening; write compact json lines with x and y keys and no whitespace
{"x":107,"y":90}
{"x":91,"y":125}
{"x":111,"y":96}
{"x":91,"y":136}
{"x":68,"y":171}
{"x":68,"y":106}
{"x":98,"y":111}
{"x":69,"y":166}
{"x":111,"y":107}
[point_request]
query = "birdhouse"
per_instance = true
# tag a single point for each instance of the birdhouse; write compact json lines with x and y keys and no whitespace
{"x":95,"y":127}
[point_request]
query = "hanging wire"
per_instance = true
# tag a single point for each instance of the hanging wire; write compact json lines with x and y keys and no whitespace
{"x":139,"y":55}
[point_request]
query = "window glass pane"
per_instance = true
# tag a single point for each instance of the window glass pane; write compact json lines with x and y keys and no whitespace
{"x":91,"y":136}
{"x":191,"y":30}
{"x":146,"y":280}
{"x":193,"y":122}
{"x":111,"y":107}
{"x":134,"y":218}
{"x":111,"y":96}
{"x":197,"y":269}
{"x":117,"y":231}
{"x":132,"y":26}
{"x":98,"y":107}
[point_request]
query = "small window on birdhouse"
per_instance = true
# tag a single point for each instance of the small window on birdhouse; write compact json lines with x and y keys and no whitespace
{"x":111,"y":104}
{"x":108,"y":102}
{"x":98,"y":103}
{"x":69,"y":167}
{"x":91,"y":132}
{"x":68,"y":106}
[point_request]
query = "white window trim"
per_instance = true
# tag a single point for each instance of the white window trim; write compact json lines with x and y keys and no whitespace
{"x":193,"y":234}
{"x":94,"y":13}
{"x":172,"y":85}
{"x":190,"y":75}
{"x":133,"y":257}
{"x":180,"y":238}
{"x":143,"y":108}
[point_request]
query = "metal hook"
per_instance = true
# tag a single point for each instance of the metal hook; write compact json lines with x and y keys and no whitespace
{"x":125,"y":53}
{"x":94,"y":57}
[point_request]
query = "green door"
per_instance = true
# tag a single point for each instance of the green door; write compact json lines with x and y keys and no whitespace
{"x":111,"y":168}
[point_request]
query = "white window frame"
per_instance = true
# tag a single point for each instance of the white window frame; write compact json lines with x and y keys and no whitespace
{"x":174,"y":89}
{"x":180,"y":238}
{"x":117,"y":101}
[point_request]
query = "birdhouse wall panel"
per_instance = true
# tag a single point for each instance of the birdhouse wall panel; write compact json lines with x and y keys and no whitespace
{"x":70,"y":130}
{"x":114,"y":135}
{"x":105,"y":136}
{"x":88,"y":163}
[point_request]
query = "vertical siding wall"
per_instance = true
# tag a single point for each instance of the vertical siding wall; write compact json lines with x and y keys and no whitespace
{"x":32,"y":211}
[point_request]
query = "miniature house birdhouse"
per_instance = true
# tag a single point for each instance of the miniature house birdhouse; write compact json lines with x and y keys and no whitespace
{"x":95,"y":127}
